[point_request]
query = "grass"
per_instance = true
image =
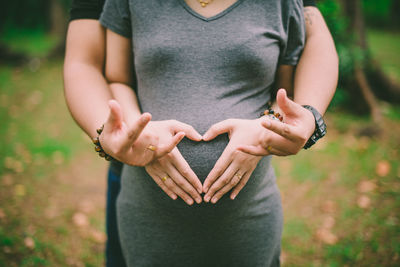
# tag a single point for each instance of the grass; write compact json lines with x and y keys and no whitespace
{"x":341,"y":198}
{"x":39,"y":139}
{"x":30,"y":41}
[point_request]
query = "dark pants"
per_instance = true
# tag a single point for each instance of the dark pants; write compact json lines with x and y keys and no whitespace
{"x":114,"y":257}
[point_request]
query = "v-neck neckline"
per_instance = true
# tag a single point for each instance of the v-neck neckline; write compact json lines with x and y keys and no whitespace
{"x":207,"y":19}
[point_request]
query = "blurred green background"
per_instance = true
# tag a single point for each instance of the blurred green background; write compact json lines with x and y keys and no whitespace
{"x":341,"y":199}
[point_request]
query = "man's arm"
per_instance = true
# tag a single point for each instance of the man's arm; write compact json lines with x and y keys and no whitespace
{"x":85,"y":88}
{"x":315,"y":81}
{"x":316,"y":74}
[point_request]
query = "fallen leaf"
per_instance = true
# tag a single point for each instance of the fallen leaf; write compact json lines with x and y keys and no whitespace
{"x":80,"y":219}
{"x":366,"y":186}
{"x":29,"y":242}
{"x":382,"y":168}
{"x":98,"y":236}
{"x":329,"y":206}
{"x":328,"y":222}
{"x":326,"y":236}
{"x":364,"y":202}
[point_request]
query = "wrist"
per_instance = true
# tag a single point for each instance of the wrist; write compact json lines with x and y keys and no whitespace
{"x":98,"y":147}
{"x":319,"y":127}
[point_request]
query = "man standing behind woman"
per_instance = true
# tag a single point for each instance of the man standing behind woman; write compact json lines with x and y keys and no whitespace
{"x":87,"y":96}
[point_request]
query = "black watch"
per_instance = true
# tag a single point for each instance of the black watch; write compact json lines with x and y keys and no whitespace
{"x":320,"y":127}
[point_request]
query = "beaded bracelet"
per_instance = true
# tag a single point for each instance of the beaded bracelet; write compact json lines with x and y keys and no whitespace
{"x":98,"y":147}
{"x":272,"y":114}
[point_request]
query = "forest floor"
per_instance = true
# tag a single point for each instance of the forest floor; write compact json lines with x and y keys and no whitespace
{"x":341,"y":198}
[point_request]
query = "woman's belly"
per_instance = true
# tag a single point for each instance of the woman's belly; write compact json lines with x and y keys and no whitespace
{"x":202,"y":156}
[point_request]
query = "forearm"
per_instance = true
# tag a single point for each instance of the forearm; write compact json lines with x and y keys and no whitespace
{"x":127,"y":99}
{"x":86,"y":90}
{"x":317,"y":72}
{"x":86,"y":94}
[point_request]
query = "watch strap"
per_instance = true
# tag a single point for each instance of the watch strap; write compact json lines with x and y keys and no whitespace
{"x":320,"y":127}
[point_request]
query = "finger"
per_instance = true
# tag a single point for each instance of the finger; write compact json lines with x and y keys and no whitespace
{"x":185,"y":170}
{"x":254,"y":150}
{"x":115,"y":117}
{"x":233,"y":182}
{"x":283,"y":129}
{"x":222,"y":181}
{"x":241,"y":184}
{"x":183,"y":183}
{"x":164,"y":149}
{"x":189,"y":131}
{"x":219,"y":168}
{"x":136,"y":129}
{"x":287,"y":106}
{"x":217,"y":129}
{"x":177,"y":190}
{"x":156,"y":177}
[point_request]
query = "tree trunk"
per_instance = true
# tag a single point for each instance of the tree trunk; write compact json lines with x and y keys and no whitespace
{"x":58,"y":27}
{"x":357,"y":28}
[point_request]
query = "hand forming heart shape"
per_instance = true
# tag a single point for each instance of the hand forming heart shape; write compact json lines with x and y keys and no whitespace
{"x":249,"y":140}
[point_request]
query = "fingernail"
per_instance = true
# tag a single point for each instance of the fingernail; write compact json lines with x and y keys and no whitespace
{"x":205,"y":136}
{"x":214,"y":200}
{"x":198,"y":200}
{"x":200,"y":190}
{"x":205,"y":189}
{"x":233,"y":197}
{"x":174,"y":197}
{"x":207,"y":198}
{"x":190,"y":201}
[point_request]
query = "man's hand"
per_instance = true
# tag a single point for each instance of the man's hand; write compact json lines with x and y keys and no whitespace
{"x":153,"y":144}
{"x":131,"y":144}
{"x":233,"y":168}
{"x":287,"y":137}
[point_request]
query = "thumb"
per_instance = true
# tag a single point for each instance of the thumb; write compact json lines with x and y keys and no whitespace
{"x":287,"y":106}
{"x":189,"y":131}
{"x":217,"y":129}
{"x":115,"y":116}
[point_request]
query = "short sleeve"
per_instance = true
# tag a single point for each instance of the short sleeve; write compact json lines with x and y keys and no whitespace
{"x":86,"y":9}
{"x":116,"y":17}
{"x":294,"y":31}
{"x":309,"y":3}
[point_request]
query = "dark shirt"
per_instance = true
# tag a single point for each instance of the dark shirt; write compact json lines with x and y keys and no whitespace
{"x":91,"y":9}
{"x":86,"y":9}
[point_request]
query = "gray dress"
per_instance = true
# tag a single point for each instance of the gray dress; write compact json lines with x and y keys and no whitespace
{"x":201,"y":71}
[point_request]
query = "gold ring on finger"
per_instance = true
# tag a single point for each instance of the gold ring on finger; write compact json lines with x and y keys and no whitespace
{"x":238,"y":175}
{"x":152,"y":148}
{"x":269,"y":148}
{"x":164,"y":178}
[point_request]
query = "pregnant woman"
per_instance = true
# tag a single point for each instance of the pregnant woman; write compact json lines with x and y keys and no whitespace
{"x":208,"y":71}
